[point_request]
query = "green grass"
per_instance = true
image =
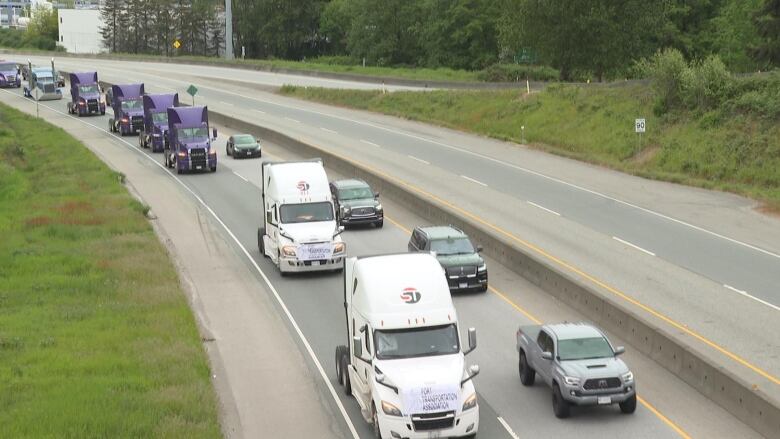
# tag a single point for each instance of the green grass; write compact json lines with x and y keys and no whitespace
{"x":726,"y":150}
{"x":96,"y":337}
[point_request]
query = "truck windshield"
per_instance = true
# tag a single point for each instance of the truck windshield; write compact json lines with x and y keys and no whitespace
{"x":306,"y":212}
{"x":192,"y":133}
{"x":132,"y":104}
{"x":452,"y":246}
{"x":7,"y":67}
{"x":355,"y":193}
{"x":584,"y":348}
{"x":161,"y":117}
{"x":416,"y":342}
{"x":87,"y":89}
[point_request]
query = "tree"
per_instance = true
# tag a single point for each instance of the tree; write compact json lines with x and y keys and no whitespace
{"x":113,"y":14}
{"x":767,"y":22}
{"x":44,"y":24}
{"x":335,"y":23}
{"x":461,"y":33}
{"x":387,"y":32}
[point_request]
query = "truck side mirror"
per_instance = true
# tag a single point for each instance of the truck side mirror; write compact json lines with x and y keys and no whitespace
{"x":357,"y":347}
{"x":214,"y":133}
{"x":620,"y":350}
{"x":479,"y":249}
{"x":376,"y":194}
{"x":472,"y":340}
{"x":547,"y":356}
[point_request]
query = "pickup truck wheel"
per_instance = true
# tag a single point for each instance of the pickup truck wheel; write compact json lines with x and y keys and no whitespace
{"x":628,"y":406}
{"x":560,"y":405}
{"x":379,"y":224}
{"x":527,"y":374}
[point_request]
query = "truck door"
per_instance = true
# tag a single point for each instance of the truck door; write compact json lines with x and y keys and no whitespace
{"x":271,"y":238}
{"x":361,"y":387}
{"x":544,"y":367}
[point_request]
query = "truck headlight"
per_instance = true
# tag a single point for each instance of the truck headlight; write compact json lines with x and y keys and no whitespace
{"x":482,"y":267}
{"x":288,"y":250}
{"x":390,"y":409}
{"x":628,"y":377}
{"x":345,"y":210}
{"x":470,"y":402}
{"x":212,"y":150}
{"x":571,"y":381}
{"x":339,"y":247}
{"x":378,"y":207}
{"x":156,"y":135}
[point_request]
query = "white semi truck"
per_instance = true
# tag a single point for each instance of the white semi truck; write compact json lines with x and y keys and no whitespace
{"x":300,"y":232}
{"x":404,"y":363}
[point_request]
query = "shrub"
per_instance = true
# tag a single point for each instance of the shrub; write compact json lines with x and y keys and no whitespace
{"x":667,"y":72}
{"x":706,"y":84}
{"x":518,"y":72}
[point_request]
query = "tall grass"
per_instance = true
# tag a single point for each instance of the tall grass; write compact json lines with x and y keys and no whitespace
{"x":96,"y":337}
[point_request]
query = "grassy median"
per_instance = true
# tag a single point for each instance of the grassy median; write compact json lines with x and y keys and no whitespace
{"x":736,"y":151}
{"x":96,"y":337}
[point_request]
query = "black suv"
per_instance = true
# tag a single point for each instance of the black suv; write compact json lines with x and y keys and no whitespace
{"x":356,"y":203}
{"x":463,"y":266}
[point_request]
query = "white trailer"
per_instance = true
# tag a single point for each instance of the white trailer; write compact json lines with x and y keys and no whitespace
{"x":300,"y":232}
{"x":404,"y":362}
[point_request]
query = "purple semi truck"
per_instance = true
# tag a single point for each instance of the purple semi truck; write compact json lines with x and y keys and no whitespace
{"x":189,"y":147}
{"x":10,"y":74}
{"x":156,"y":120}
{"x":128,"y":109}
{"x":86,"y":97}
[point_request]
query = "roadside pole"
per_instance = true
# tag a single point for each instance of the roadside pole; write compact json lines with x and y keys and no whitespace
{"x":639,"y":128}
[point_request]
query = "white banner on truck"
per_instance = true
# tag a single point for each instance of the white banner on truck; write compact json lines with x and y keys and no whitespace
{"x":431,"y":399}
{"x":314,"y":252}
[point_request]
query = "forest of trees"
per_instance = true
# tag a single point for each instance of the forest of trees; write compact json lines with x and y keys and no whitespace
{"x":598,"y":38}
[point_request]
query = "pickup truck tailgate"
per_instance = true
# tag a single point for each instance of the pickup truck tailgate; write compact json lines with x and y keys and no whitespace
{"x":531,"y":332}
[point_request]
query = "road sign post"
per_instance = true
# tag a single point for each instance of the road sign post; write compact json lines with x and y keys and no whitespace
{"x":192,"y":91}
{"x":639,"y":128}
{"x":176,"y":44}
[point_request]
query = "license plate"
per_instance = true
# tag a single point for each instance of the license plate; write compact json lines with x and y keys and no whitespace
{"x":198,"y":167}
{"x":605,"y":400}
{"x":315,"y":262}
{"x":463,"y":284}
{"x":432,"y":434}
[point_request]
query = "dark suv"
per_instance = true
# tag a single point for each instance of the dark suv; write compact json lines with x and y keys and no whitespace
{"x":356,"y":203}
{"x":463,"y":266}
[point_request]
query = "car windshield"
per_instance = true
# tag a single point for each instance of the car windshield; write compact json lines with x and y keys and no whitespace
{"x":85,"y":89}
{"x":160,"y":117}
{"x":416,"y":342}
{"x":243,"y":140}
{"x":355,"y":193}
{"x":192,"y":133}
{"x":306,"y":212}
{"x":584,"y":348}
{"x":7,"y":67}
{"x":452,"y":246}
{"x":132,"y":104}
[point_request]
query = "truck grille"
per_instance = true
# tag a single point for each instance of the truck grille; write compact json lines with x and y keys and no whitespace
{"x":602,"y":384}
{"x":433,"y":421}
{"x":465,"y":271}
{"x":49,"y":88}
{"x":93,"y":105}
{"x":10,"y":78}
{"x":198,"y":157}
{"x":138,"y":122}
{"x":363,"y":211}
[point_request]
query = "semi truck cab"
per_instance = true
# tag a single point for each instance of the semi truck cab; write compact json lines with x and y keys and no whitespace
{"x":41,"y":85}
{"x":10,"y":74}
{"x":189,"y":147}
{"x":404,"y":362}
{"x":127,"y":103}
{"x":155,"y":130}
{"x":86,"y":95}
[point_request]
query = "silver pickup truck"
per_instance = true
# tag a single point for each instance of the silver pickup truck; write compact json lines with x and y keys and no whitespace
{"x":579,"y":363}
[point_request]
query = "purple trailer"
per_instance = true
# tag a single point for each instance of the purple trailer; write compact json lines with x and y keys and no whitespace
{"x":10,"y":74}
{"x":189,"y":146}
{"x":128,"y":109}
{"x":86,"y":97}
{"x":156,"y":120}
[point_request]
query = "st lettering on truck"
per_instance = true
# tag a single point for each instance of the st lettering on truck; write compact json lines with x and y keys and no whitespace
{"x":300,"y":232}
{"x":404,"y":363}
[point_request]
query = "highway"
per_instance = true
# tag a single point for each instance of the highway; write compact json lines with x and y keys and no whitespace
{"x":705,"y":261}
{"x":669,"y":407}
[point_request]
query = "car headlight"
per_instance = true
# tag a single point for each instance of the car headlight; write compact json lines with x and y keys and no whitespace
{"x":470,"y":402}
{"x":339,"y":247}
{"x":628,"y":377}
{"x":390,"y":409}
{"x":571,"y":381}
{"x":288,"y":250}
{"x":378,"y":206}
{"x":482,"y":267}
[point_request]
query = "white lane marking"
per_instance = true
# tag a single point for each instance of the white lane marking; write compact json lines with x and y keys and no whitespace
{"x":241,"y":176}
{"x":418,"y":159}
{"x":258,"y":111}
{"x":227,"y":103}
{"x":633,"y":245}
{"x":543,"y":208}
{"x":328,"y":131}
{"x":267,"y":281}
{"x":474,"y":181}
{"x":508,"y":428}
{"x":492,"y":159}
{"x":745,"y":293}
{"x":369,"y":143}
{"x":293,"y":120}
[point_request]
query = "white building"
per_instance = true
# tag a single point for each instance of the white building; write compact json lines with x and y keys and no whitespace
{"x":80,"y":30}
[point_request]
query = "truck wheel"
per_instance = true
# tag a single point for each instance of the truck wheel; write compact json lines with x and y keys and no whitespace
{"x":375,"y":418}
{"x":110,"y":125}
{"x":527,"y":374}
{"x":628,"y":406}
{"x":214,"y":169}
{"x":341,"y":351}
{"x":379,"y":224}
{"x":261,"y":241}
{"x":345,"y":374}
{"x":560,"y":405}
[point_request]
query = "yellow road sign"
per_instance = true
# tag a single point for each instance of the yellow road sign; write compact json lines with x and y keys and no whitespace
{"x":176,"y":44}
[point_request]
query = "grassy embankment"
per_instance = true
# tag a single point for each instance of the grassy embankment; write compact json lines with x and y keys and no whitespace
{"x":96,"y":337}
{"x":733,"y":148}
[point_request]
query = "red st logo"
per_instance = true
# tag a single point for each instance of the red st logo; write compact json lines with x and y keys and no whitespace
{"x":303,"y":186}
{"x":411,"y":295}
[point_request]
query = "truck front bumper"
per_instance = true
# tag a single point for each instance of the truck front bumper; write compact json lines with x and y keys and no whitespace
{"x":196,"y":163}
{"x":293,"y":265}
{"x":14,"y":83}
{"x":578,"y":396}
{"x":403,"y":427}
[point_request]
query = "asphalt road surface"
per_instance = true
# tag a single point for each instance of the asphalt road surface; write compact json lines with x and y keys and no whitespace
{"x":669,"y":408}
